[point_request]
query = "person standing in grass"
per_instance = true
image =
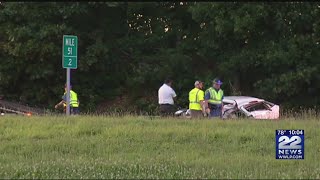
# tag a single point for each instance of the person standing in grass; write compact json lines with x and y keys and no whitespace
{"x":166,"y":95}
{"x":74,"y":101}
{"x":213,"y":97}
{"x":196,"y":100}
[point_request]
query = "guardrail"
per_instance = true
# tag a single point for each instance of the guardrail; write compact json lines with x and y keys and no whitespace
{"x":18,"y":108}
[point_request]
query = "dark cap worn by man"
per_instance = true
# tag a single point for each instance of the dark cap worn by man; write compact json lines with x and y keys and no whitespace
{"x":217,"y":81}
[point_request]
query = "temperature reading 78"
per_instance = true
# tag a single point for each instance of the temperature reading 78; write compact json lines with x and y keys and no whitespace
{"x":281,"y":132}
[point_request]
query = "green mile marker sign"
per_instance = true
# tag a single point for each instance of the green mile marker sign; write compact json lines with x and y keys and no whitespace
{"x":70,"y":52}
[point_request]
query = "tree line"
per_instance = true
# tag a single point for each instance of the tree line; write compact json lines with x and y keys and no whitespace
{"x":126,"y":50}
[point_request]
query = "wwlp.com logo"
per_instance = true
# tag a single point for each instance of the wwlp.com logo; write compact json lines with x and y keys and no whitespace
{"x":289,"y":144}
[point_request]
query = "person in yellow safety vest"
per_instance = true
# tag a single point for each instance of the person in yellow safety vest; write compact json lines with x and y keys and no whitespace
{"x":214,"y":96}
{"x":196,"y":100}
{"x":74,"y":101}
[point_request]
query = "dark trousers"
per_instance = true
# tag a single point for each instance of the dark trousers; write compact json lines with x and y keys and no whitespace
{"x":215,"y":110}
{"x":74,"y":110}
{"x":167,"y":109}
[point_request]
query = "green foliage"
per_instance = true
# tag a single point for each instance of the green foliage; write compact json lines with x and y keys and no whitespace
{"x":260,"y":49}
{"x":266,"y":46}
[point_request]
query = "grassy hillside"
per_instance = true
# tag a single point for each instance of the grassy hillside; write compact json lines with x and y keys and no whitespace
{"x":140,"y":147}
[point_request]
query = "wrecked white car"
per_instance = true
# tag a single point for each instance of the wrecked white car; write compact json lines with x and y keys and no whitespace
{"x":242,"y":107}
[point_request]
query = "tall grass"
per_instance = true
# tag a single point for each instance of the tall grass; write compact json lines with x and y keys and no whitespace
{"x":99,"y":147}
{"x":301,"y":113}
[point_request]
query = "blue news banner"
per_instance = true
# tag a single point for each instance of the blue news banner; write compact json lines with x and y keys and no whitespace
{"x":289,"y":144}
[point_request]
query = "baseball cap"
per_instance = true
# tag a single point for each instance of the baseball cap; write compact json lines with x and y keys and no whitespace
{"x":217,"y":81}
{"x":197,"y":82}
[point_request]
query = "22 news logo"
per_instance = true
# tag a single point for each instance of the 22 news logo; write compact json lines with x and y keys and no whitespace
{"x":289,"y":144}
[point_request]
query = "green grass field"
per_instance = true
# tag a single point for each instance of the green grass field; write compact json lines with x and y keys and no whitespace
{"x":140,"y":147}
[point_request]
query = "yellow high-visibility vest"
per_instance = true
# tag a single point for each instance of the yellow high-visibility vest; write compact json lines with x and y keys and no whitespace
{"x":215,"y":97}
{"x":73,"y":99}
{"x":195,"y":96}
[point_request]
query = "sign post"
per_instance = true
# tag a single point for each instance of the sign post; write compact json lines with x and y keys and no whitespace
{"x":69,"y":61}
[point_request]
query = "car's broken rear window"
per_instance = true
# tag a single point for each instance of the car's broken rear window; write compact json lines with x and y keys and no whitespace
{"x":257,"y":107}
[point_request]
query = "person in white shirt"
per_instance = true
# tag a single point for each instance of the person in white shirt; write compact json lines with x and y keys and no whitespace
{"x":166,"y":95}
